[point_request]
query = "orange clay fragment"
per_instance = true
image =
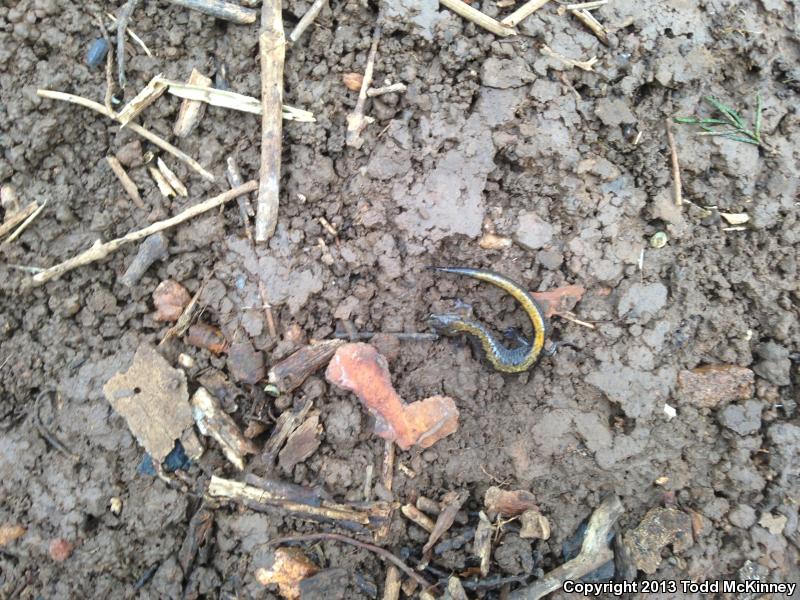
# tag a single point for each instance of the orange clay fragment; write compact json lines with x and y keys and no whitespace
{"x":290,"y":568}
{"x":361,"y":369}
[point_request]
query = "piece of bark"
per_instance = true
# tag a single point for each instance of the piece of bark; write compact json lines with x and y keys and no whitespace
{"x":508,"y":503}
{"x":170,"y":299}
{"x":191,"y":111}
{"x":149,"y":94}
{"x":292,"y":371}
{"x":451,"y":504}
{"x":287,"y":422}
{"x":151,"y":250}
{"x":153,"y":399}
{"x":482,"y":543}
{"x":361,"y":517}
{"x":198,"y":535}
{"x":361,"y":369}
{"x":534,"y":525}
{"x":413,"y":514}
{"x":272,"y":50}
{"x":213,"y":421}
{"x":208,"y":337}
{"x":127,"y":183}
{"x":391,"y":587}
{"x":328,"y":584}
{"x":301,"y":444}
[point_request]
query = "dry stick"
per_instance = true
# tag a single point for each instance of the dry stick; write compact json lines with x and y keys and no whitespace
{"x":586,"y":5}
{"x":18,"y":217}
{"x":134,"y":37}
{"x":523,"y":12}
{"x":306,"y":20}
{"x":586,"y":65}
{"x":245,"y":210}
{"x":25,"y":224}
{"x":122,"y":25}
{"x":477,"y":17}
{"x":100,"y":250}
{"x":228,"y":11}
{"x":356,"y":121}
{"x":384,"y":554}
{"x":127,"y":183}
{"x":677,"y":188}
{"x":387,"y":89}
{"x":585,"y":17}
{"x":594,"y":553}
{"x":136,"y":128}
{"x":272,"y":50}
{"x":109,"y":66}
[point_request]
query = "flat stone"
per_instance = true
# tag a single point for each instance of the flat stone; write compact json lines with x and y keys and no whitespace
{"x":715,"y":385}
{"x":533,"y":232}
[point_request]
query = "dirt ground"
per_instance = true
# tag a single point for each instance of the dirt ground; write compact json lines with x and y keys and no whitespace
{"x":491,"y":136}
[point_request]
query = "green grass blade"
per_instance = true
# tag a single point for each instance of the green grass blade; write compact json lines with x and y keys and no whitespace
{"x":732,"y":116}
{"x":688,"y":120}
{"x":747,"y":140}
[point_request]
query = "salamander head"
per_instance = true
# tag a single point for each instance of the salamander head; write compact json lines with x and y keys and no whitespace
{"x":445,"y":324}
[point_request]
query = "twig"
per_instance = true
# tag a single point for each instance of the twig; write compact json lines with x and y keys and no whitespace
{"x":306,"y":20}
{"x":25,"y":224}
{"x":387,"y":89}
{"x":46,"y":433}
{"x":134,"y":37}
{"x":262,"y":291}
{"x":677,"y":190}
{"x":594,"y":553}
{"x":523,"y":12}
{"x":245,"y":210}
{"x":569,"y":317}
{"x":356,"y":121}
{"x":586,"y":65}
{"x":109,"y":66}
{"x":585,"y":17}
{"x":228,"y":11}
{"x":384,"y":554}
{"x":101,"y":250}
{"x":477,"y":17}
{"x":272,"y":51}
{"x":356,"y":516}
{"x":586,"y":5}
{"x":127,"y":183}
{"x":16,"y":218}
{"x":122,"y":25}
{"x":135,"y":127}
{"x":368,"y":335}
{"x":232,"y":100}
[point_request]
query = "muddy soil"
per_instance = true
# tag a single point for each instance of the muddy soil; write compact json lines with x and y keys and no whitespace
{"x":491,"y":136}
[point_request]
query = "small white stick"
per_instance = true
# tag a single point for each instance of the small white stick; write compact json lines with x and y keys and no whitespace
{"x":523,"y":12}
{"x":25,"y":224}
{"x":306,"y":20}
{"x":477,"y":17}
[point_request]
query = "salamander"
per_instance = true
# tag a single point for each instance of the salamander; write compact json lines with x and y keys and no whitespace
{"x":502,"y":358}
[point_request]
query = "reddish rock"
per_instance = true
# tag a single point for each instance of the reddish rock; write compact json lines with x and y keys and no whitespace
{"x":170,"y":298}
{"x":60,"y":549}
{"x":715,"y":385}
{"x":208,"y":337}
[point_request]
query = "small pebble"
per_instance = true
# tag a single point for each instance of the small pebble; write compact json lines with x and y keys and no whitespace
{"x":60,"y":549}
{"x":659,"y":240}
{"x":97,"y":53}
{"x":115,"y":505}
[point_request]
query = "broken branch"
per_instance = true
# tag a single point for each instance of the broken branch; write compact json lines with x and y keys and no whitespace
{"x":100,"y":250}
{"x":477,"y":17}
{"x":272,"y":50}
